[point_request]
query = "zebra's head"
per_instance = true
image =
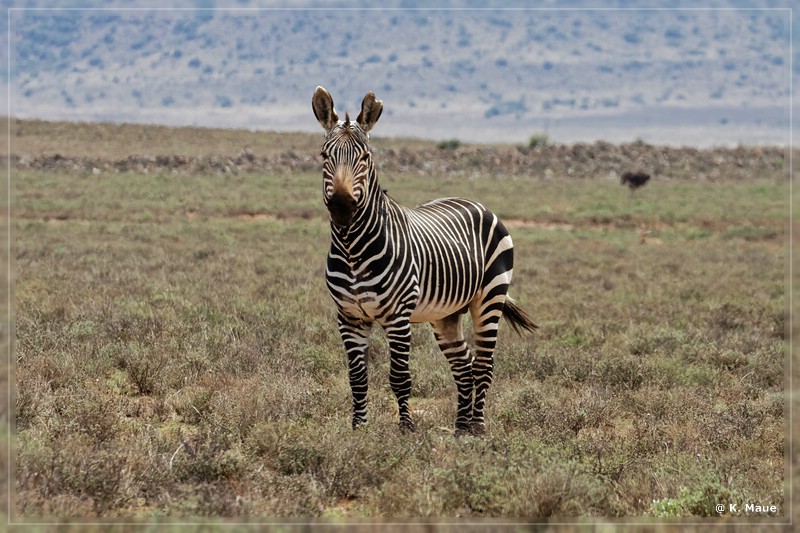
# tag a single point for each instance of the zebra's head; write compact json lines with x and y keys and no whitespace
{"x":347,"y":160}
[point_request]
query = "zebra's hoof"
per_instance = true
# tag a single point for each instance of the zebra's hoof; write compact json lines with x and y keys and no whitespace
{"x":477,"y":428}
{"x":463,"y":429}
{"x":359,"y":424}
{"x":406,"y":426}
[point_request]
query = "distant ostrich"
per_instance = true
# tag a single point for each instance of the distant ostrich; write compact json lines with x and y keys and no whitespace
{"x":634,"y":180}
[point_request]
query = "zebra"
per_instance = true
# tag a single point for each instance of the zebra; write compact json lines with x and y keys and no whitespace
{"x":396,"y":266}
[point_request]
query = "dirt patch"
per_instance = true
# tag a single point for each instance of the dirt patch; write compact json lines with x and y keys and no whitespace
{"x":257,"y":216}
{"x":512,"y":223}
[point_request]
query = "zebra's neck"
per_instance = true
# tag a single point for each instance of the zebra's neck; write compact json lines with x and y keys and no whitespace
{"x":369,"y":220}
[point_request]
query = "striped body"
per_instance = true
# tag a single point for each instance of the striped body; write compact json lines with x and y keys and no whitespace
{"x":433,"y":262}
{"x":394,"y":265}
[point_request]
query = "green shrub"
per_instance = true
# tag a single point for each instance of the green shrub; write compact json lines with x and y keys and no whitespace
{"x":700,"y":501}
{"x":538,"y":139}
{"x":449,"y":144}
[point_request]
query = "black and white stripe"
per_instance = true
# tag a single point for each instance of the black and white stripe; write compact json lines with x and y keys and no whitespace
{"x":394,"y":265}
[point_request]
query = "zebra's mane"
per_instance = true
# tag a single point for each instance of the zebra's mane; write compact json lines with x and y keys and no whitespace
{"x":348,"y":132}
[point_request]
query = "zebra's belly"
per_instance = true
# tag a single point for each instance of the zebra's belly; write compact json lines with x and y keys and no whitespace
{"x":431,"y":311}
{"x":366,"y":306}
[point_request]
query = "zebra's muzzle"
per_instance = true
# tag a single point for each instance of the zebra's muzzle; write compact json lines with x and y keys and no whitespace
{"x":341,"y":206}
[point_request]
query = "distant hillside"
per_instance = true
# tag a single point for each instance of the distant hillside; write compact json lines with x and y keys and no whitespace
{"x":665,"y":76}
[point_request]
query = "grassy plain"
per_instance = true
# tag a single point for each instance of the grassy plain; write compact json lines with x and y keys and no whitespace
{"x":176,"y":354}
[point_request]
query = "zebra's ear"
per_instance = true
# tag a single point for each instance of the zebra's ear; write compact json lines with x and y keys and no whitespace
{"x":322,"y":104}
{"x":371,"y":110}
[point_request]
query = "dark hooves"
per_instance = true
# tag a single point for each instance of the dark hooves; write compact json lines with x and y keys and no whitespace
{"x":475,"y":429}
{"x":406,"y":426}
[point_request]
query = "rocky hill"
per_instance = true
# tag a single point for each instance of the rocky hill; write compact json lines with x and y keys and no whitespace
{"x":202,"y":151}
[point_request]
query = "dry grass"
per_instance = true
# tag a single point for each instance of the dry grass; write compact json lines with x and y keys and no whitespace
{"x":176,"y":355}
{"x":118,"y":141}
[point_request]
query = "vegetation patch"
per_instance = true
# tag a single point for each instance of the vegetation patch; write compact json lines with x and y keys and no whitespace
{"x":176,"y":358}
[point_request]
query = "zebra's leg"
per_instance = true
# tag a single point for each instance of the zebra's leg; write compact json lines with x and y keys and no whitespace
{"x":398,"y":332}
{"x":450,"y":338}
{"x":354,"y":335}
{"x":486,"y":319}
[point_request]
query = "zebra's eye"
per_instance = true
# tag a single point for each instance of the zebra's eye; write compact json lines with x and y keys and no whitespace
{"x":364,"y":157}
{"x":324,"y":156}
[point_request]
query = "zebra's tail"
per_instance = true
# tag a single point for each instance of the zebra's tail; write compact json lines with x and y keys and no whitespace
{"x":517,"y":318}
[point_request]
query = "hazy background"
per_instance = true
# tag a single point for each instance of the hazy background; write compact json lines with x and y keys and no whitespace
{"x":478,"y":71}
